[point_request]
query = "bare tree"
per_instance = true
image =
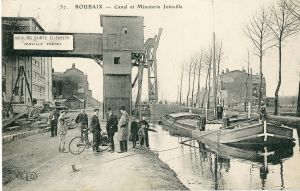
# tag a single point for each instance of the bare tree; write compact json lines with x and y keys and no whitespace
{"x":294,"y":7}
{"x":194,"y":63}
{"x":208,"y":62}
{"x":199,"y":66}
{"x":298,"y":102}
{"x":189,"y":86}
{"x":181,"y":78}
{"x":283,"y":24}
{"x":259,"y":33}
{"x":219,"y":57}
{"x":247,"y":84}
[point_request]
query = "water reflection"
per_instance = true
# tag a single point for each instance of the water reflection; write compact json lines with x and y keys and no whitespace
{"x":217,"y":166}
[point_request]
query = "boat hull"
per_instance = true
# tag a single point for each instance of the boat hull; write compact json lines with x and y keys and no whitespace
{"x":253,"y":134}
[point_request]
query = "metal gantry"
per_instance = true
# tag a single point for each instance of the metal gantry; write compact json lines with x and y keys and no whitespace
{"x":151,"y":46}
{"x":147,"y":60}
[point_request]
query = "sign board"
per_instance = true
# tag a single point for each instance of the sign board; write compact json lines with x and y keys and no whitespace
{"x":43,"y":42}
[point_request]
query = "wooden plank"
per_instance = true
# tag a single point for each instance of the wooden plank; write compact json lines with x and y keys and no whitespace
{"x":13,"y":119}
{"x":13,"y":128}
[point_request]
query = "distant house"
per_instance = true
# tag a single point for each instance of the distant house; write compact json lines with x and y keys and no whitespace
{"x":236,"y":88}
{"x":74,"y":102}
{"x":73,"y":82}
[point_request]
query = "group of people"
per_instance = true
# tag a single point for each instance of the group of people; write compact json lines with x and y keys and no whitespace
{"x":138,"y":130}
{"x":58,"y":127}
{"x":95,"y":128}
{"x":222,"y":112}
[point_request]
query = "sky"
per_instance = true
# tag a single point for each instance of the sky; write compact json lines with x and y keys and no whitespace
{"x":186,"y":32}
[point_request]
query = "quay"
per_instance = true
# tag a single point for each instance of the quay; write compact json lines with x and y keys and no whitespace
{"x":138,"y":169}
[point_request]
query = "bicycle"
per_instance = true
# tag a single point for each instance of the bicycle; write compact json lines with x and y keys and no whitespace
{"x":77,"y":146}
{"x":71,"y":124}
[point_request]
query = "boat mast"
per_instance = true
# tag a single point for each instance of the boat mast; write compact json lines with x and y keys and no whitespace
{"x":214,"y":62}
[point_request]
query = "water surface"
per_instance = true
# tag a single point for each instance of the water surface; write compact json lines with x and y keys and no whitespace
{"x":200,"y":166}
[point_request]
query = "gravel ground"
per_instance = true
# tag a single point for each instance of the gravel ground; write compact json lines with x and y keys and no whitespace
{"x":138,"y":169}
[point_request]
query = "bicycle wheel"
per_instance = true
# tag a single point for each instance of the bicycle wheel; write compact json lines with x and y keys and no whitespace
{"x":76,"y":146}
{"x":104,"y":143}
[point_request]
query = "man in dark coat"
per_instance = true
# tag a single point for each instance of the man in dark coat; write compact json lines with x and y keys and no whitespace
{"x":82,"y":121}
{"x":96,"y":130}
{"x":134,"y":131}
{"x":53,"y":118}
{"x":111,"y":127}
{"x":262,"y":112}
{"x":219,"y":111}
{"x":143,"y":132}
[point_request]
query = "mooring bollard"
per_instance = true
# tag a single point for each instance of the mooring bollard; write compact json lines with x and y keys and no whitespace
{"x":74,"y":168}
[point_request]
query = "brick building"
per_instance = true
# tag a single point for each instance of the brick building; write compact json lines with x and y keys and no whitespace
{"x":38,"y":70}
{"x":236,"y":88}
{"x":73,"y":82}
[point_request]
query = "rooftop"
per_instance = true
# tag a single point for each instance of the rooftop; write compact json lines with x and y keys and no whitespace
{"x":120,"y":16}
{"x":15,"y":19}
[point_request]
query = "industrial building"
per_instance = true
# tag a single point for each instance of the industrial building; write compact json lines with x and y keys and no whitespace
{"x":238,"y":87}
{"x":29,"y":77}
{"x":71,"y":88}
{"x":120,"y":48}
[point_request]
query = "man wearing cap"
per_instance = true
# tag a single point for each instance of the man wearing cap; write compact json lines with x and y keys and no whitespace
{"x":262,"y":112}
{"x":96,"y":130}
{"x":123,"y":130}
{"x":82,"y":121}
{"x":53,"y":118}
{"x":134,"y":128}
{"x":143,"y":132}
{"x":219,"y":111}
{"x":111,"y":127}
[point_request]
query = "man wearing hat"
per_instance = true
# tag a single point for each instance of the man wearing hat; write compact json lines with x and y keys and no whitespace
{"x":123,"y":130}
{"x":62,"y":131}
{"x":262,"y":112}
{"x":111,"y":127}
{"x":143,"y":131}
{"x":96,"y":130}
{"x":134,"y":129}
{"x":82,"y":121}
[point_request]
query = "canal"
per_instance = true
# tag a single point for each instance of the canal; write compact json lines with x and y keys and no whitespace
{"x":201,"y":166}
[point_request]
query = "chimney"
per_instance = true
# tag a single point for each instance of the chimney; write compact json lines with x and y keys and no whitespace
{"x":227,"y":70}
{"x":73,"y":65}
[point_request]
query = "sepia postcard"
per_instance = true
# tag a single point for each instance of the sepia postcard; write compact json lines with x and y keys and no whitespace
{"x":150,"y":95}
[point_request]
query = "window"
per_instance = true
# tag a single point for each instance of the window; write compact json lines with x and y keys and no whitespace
{"x":81,"y":85}
{"x":116,"y":60}
{"x":35,"y":62}
{"x":3,"y":69}
{"x":124,"y":30}
{"x":3,"y":85}
{"x":42,"y":62}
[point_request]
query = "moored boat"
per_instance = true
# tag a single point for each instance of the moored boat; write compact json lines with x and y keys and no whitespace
{"x":240,"y":132}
